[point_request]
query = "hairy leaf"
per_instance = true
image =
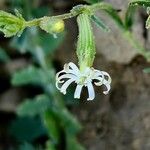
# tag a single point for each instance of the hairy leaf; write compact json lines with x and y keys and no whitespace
{"x":10,"y":24}
{"x":111,"y":12}
{"x":129,"y":16}
{"x":145,"y":3}
{"x":100,"y":23}
{"x":33,"y":107}
{"x":30,"y":75}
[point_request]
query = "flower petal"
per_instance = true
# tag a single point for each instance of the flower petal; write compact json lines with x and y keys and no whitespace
{"x":108,"y":76}
{"x":90,"y":91}
{"x":99,"y":82}
{"x":58,"y":74}
{"x":71,"y":68}
{"x":65,"y":76}
{"x":98,"y":73}
{"x":57,"y":85}
{"x":65,"y":85}
{"x":78,"y":91}
{"x":107,"y":84}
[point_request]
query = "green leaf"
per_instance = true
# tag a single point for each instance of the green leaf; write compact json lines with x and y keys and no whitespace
{"x":34,"y":107}
{"x":147,"y":70}
{"x":26,"y":146}
{"x":68,"y":121}
{"x":129,"y":17}
{"x":93,"y":1}
{"x":4,"y":57}
{"x":144,"y":3}
{"x":112,"y":13}
{"x":50,"y":146}
{"x":10,"y":24}
{"x":52,"y":124}
{"x":30,"y":75}
{"x":73,"y":144}
{"x":27,"y":129}
{"x":100,"y":23}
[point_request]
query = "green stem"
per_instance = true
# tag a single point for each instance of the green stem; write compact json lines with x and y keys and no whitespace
{"x":136,"y":44}
{"x":79,"y":9}
{"x":36,"y":22}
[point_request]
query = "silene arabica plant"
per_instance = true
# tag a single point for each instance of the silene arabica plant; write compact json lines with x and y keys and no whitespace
{"x":50,"y":105}
{"x":86,"y":54}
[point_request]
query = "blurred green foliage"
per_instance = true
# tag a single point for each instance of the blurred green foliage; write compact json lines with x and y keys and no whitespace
{"x":26,"y":146}
{"x":30,"y":75}
{"x":93,"y":1}
{"x":4,"y":57}
{"x":27,"y":129}
{"x":38,"y":105}
{"x":46,"y":114}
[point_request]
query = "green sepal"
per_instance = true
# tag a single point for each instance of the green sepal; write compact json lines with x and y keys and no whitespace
{"x":100,"y":23}
{"x":86,"y":44}
{"x":10,"y":24}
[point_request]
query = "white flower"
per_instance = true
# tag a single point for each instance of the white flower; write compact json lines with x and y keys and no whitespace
{"x":71,"y":74}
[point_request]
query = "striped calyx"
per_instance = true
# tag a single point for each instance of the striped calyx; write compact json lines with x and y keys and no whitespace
{"x":85,"y":45}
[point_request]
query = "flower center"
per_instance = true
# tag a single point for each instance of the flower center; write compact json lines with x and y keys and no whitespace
{"x":83,"y":80}
{"x":85,"y":77}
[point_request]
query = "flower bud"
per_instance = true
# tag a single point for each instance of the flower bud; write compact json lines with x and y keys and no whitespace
{"x":51,"y":25}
